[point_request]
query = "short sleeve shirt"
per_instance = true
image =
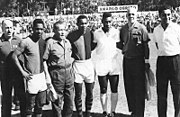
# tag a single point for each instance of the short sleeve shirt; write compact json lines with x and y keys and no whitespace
{"x":106,"y":43}
{"x":168,"y":40}
{"x":81,"y":44}
{"x":58,"y":53}
{"x":32,"y":62}
{"x":106,"y":55}
{"x":133,"y":39}
{"x":6,"y":47}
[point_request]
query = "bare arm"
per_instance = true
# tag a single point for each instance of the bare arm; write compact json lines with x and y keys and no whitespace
{"x":48,"y":78}
{"x":15,"y":56}
{"x":120,"y":43}
{"x":93,"y":44}
{"x":45,"y":58}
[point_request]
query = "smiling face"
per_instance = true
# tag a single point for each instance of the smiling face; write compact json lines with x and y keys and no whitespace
{"x":7,"y":28}
{"x":131,"y":15}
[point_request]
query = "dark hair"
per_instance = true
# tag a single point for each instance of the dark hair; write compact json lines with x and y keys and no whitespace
{"x":106,"y":14}
{"x":164,"y":7}
{"x":38,"y":21}
{"x":81,"y":17}
{"x":58,"y":22}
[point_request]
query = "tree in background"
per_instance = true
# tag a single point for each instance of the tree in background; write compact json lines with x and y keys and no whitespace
{"x":174,"y":3}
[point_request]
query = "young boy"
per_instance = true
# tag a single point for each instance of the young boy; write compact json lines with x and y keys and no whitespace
{"x":32,"y":70}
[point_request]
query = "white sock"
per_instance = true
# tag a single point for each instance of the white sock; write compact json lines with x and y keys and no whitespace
{"x":114,"y":100}
{"x":103,"y":98}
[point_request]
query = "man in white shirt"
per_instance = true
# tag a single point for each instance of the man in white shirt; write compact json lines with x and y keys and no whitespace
{"x":107,"y":63}
{"x":167,"y":40}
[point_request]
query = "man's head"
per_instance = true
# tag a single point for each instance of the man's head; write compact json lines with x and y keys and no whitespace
{"x":59,"y":29}
{"x":107,"y":20}
{"x":82,"y":23}
{"x":131,"y":15}
{"x":165,"y":14}
{"x":7,"y":28}
{"x":38,"y":28}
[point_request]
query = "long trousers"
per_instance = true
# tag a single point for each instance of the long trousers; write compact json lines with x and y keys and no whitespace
{"x":168,"y":70}
{"x":6,"y":86}
{"x":63,"y":82}
{"x":134,"y":82}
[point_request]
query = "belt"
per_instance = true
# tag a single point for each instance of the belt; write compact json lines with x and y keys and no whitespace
{"x":168,"y":56}
{"x":134,"y":57}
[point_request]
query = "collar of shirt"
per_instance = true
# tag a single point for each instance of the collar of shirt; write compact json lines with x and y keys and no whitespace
{"x":83,"y":34}
{"x":31,"y":36}
{"x":167,"y":40}
{"x":169,"y":25}
{"x":111,"y":31}
{"x":134,"y":25}
{"x":55,"y":40}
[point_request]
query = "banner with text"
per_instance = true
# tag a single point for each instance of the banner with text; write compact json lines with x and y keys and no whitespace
{"x":116,"y":8}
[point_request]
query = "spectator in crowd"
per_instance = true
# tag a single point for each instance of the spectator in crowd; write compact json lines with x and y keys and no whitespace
{"x":59,"y":61}
{"x":107,"y":64}
{"x":9,"y":75}
{"x":167,"y":38}
{"x":80,"y":40}
{"x":141,"y":20}
{"x":32,"y":48}
{"x":134,"y":44}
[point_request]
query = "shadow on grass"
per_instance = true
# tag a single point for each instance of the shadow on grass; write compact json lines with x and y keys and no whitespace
{"x":100,"y":115}
{"x":48,"y":113}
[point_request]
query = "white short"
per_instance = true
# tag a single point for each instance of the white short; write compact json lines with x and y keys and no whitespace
{"x":104,"y":66}
{"x":37,"y":83}
{"x":84,"y":71}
